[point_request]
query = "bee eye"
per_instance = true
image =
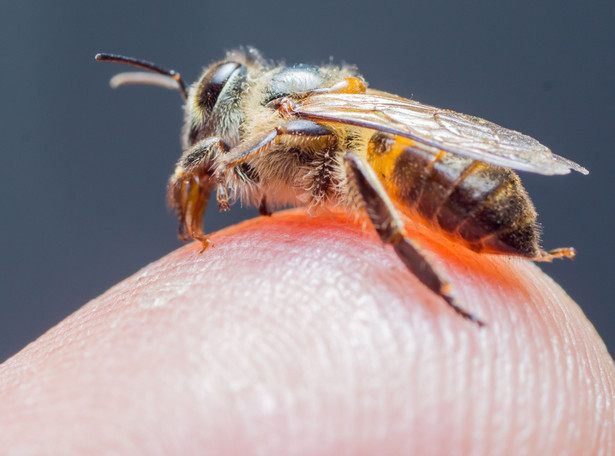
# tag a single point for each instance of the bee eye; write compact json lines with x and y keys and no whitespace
{"x":214,"y":85}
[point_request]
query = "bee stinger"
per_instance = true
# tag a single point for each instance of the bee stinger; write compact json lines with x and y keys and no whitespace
{"x":272,"y":135}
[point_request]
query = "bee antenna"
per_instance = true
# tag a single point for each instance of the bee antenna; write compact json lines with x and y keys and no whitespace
{"x":102,"y":57}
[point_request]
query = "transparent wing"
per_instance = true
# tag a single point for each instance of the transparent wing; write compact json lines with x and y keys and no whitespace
{"x":453,"y":132}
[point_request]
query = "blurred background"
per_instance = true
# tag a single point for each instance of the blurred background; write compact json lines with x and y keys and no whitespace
{"x":84,"y":167}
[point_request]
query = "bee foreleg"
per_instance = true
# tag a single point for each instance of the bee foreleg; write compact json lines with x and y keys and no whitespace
{"x":390,"y":228}
{"x":190,"y":186}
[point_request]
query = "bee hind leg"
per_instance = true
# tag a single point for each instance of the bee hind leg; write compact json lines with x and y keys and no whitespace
{"x":390,"y":228}
{"x":550,"y":255}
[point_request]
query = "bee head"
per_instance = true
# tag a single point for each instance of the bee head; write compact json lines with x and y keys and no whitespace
{"x":212,"y":102}
{"x":213,"y":106}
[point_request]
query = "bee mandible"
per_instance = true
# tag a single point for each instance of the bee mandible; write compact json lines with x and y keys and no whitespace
{"x":272,"y":135}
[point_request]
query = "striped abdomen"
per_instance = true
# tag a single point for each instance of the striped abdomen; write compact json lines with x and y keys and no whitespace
{"x":484,"y":206}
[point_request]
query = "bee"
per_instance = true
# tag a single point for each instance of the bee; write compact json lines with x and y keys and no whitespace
{"x":272,"y":135}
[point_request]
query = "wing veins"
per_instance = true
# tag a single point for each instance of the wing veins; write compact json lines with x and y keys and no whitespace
{"x":457,"y":133}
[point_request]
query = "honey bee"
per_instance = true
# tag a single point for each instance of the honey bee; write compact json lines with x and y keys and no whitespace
{"x":317,"y":136}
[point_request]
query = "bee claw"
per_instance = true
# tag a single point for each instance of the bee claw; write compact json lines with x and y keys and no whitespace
{"x":205,"y":244}
{"x":462,"y":312}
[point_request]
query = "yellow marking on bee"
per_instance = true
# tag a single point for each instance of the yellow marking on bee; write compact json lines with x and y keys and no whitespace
{"x":355,"y":85}
{"x":383,"y":162}
{"x":439,"y":156}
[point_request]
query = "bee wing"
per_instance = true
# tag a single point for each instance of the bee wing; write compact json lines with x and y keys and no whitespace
{"x":436,"y":128}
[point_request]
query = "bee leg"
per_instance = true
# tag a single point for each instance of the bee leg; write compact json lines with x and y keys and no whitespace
{"x":263,"y":209}
{"x":550,"y":255}
{"x":302,"y":130}
{"x":306,"y":130}
{"x":390,"y":228}
{"x":190,"y":186}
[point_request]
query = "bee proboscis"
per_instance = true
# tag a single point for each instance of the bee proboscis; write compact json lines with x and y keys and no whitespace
{"x":272,"y":135}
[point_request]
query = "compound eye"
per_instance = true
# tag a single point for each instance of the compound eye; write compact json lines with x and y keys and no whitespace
{"x":215,"y":84}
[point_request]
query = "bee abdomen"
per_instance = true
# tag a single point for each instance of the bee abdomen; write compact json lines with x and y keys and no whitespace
{"x":502,"y":217}
{"x":483,"y":206}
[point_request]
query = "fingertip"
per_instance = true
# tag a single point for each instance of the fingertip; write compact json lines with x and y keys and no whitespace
{"x":509,"y":372}
{"x":307,"y":335}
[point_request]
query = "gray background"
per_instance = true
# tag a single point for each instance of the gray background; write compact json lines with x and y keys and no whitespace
{"x":84,"y":168}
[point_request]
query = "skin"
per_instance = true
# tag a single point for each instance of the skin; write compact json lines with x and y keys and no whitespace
{"x":303,"y":335}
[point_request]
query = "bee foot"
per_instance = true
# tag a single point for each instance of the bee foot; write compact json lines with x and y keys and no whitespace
{"x":562,"y":252}
{"x":205,"y":244}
